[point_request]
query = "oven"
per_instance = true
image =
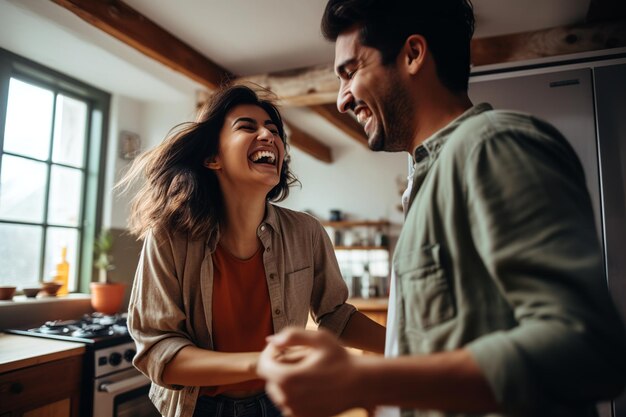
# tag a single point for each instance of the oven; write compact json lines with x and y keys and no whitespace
{"x":119,"y":390}
{"x":111,"y":386}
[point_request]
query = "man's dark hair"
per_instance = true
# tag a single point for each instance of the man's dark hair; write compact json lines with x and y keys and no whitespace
{"x":447,"y":26}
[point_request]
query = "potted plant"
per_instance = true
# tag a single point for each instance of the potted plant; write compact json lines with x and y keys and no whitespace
{"x":106,"y":296}
{"x":103,"y":258}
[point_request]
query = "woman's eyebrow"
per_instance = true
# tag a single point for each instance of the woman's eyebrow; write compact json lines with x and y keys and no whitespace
{"x":250,"y":120}
{"x":245,"y":119}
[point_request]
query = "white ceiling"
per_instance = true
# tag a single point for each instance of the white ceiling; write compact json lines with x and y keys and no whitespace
{"x":256,"y":36}
{"x":244,"y":36}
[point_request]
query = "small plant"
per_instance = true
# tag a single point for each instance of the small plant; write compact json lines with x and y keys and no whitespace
{"x":103,"y":259}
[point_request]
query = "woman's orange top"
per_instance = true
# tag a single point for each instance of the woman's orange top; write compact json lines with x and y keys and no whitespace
{"x":242,"y":317}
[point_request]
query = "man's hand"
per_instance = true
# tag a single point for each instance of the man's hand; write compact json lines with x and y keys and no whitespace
{"x":317,"y":379}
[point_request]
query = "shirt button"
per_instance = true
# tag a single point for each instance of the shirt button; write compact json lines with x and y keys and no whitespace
{"x":268,"y":249}
{"x":263,"y":228}
{"x":277,"y":311}
{"x":272,"y":276}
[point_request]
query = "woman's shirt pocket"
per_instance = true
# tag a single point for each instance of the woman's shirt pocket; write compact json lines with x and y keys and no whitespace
{"x":298,"y":287}
{"x":425,"y":288}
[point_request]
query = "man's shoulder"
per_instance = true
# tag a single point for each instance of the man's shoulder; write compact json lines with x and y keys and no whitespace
{"x":495,"y":120}
{"x":498,"y":124}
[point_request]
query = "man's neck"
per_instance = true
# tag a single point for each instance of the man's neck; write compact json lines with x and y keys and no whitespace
{"x":436,"y":113}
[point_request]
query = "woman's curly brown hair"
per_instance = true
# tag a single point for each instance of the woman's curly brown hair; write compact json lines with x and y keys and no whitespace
{"x":180,"y":195}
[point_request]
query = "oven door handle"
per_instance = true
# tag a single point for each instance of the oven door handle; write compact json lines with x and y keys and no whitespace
{"x":125,"y":385}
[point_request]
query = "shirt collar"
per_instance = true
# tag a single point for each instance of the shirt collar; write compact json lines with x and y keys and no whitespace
{"x":430,"y":148}
{"x":270,"y":219}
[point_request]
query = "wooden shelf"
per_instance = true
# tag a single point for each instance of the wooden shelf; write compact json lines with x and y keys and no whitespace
{"x":361,"y":248}
{"x":356,"y":223}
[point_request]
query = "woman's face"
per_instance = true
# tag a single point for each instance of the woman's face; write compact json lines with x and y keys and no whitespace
{"x":250,"y":150}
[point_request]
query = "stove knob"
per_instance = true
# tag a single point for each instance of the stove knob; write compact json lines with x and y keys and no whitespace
{"x":115,"y":358}
{"x":129,"y":355}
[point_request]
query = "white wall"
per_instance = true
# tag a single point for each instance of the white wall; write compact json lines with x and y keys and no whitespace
{"x":359,"y":182}
{"x":152,"y":121}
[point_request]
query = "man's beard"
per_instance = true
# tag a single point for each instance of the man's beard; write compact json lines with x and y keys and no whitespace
{"x":393,"y":130}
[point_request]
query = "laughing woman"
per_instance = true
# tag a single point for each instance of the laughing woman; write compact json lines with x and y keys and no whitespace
{"x":221,"y":267}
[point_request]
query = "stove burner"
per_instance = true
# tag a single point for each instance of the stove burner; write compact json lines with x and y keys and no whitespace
{"x":120,"y":328}
{"x":93,"y":330}
{"x":58,"y":327}
{"x":92,"y":326}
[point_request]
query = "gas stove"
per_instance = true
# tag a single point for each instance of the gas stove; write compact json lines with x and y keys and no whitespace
{"x":96,"y":330}
{"x":111,"y":386}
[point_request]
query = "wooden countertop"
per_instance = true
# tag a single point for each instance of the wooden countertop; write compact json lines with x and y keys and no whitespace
{"x":370,"y":304}
{"x":21,"y":351}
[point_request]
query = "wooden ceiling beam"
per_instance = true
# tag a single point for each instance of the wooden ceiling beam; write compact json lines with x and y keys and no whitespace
{"x":300,"y":87}
{"x":126,"y":24}
{"x":343,"y":121}
{"x":549,"y":42}
{"x":319,"y":85}
{"x":136,"y":30}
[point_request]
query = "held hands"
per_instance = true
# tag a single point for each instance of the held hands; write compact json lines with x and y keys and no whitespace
{"x":308,"y":373}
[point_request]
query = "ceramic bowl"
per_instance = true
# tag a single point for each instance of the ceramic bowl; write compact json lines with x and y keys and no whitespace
{"x":31,"y":292}
{"x":51,"y":288}
{"x":6,"y":292}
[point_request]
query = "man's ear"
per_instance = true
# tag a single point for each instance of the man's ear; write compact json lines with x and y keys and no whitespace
{"x":415,"y":48}
{"x":212,"y":163}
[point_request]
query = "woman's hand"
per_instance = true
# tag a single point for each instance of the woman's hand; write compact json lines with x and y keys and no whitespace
{"x":301,"y":367}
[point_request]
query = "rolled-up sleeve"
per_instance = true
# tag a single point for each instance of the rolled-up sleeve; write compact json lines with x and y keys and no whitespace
{"x":533,"y":225}
{"x":328,"y":301}
{"x":155,"y":317}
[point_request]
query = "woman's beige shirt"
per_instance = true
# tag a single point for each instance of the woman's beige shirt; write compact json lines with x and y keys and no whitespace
{"x":171,"y":300}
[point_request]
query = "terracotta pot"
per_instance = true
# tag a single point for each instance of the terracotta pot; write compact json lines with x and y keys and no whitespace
{"x":107,"y":298}
{"x":51,"y":288}
{"x":6,"y":292}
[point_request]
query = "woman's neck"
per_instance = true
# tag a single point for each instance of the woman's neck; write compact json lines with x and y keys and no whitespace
{"x":242,"y":217}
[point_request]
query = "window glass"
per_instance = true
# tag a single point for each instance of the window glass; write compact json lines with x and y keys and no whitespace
{"x":70,"y":126}
{"x":22,"y":189}
{"x":28,"y":120}
{"x":50,"y":170}
{"x":20,"y":253}
{"x":65,"y":196}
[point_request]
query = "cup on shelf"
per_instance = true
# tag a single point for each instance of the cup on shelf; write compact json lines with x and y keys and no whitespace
{"x":31,"y":292}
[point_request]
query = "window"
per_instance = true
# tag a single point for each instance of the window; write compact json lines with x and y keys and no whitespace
{"x":51,"y":141}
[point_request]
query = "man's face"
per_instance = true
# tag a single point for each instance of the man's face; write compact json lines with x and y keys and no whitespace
{"x":374,"y":93}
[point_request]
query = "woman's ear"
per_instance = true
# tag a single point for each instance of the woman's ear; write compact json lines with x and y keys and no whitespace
{"x":212,"y":163}
{"x":415,"y":52}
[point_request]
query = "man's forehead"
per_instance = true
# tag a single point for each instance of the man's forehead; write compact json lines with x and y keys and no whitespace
{"x":347,"y":47}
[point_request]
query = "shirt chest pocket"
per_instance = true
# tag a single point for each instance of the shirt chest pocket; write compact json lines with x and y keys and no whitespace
{"x":298,"y":285}
{"x":425,"y":290}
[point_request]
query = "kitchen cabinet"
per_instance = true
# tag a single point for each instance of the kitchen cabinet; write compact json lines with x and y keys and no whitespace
{"x":362,"y":248}
{"x":50,"y":390}
{"x":39,"y":378}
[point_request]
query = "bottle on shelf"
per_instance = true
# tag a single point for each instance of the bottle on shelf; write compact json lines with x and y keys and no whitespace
{"x":62,"y":272}
{"x":368,"y":285}
{"x":380,"y":238}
